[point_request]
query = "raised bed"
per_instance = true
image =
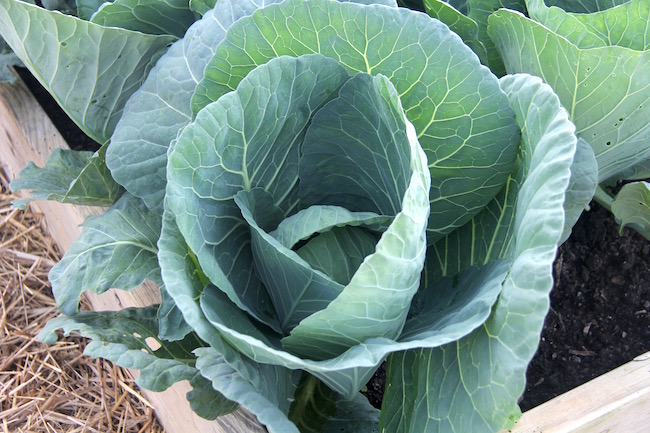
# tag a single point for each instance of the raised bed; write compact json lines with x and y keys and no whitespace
{"x":617,"y":401}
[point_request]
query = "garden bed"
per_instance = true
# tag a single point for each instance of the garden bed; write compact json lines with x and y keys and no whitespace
{"x":589,"y":348}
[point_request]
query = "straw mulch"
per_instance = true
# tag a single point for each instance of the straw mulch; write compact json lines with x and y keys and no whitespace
{"x":53,"y":388}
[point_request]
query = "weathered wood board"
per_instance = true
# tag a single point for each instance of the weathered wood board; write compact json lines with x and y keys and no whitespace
{"x":616,"y":402}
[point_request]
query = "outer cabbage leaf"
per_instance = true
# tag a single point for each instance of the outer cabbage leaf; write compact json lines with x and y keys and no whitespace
{"x":121,"y":337}
{"x":116,"y":249}
{"x":631,"y":207}
{"x":582,"y":187}
{"x":69,"y":176}
{"x":461,"y":117}
{"x":623,"y":23}
{"x":469,"y":19}
{"x":137,"y":155}
{"x":156,"y":17}
{"x":606,"y":89}
{"x":90,"y":70}
{"x":466,"y":27}
{"x":473,"y":384}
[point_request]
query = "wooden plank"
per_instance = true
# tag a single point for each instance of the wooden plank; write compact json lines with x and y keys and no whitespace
{"x":618,"y":401}
{"x":27,"y":134}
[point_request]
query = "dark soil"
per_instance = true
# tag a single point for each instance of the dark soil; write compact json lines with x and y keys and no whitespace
{"x":600,"y":304}
{"x":599,"y":317}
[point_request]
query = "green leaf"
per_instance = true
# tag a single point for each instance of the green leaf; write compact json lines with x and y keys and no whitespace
{"x":464,"y":26}
{"x":318,"y":409}
{"x":295,"y":288}
{"x":264,"y":402}
{"x":248,"y":138}
{"x":463,"y":117}
{"x":137,"y":155}
{"x":631,"y":207}
{"x":582,"y":186}
{"x":591,"y":24}
{"x":322,"y":218}
{"x":90,"y":70}
{"x":123,"y":337}
{"x":69,"y":176}
{"x":86,"y":8}
{"x":313,"y":405}
{"x":116,"y":249}
{"x":374,"y":303}
{"x":469,"y":19}
{"x":156,"y":17}
{"x":473,"y":384}
{"x":354,"y":416}
{"x":606,"y":90}
{"x":170,"y":318}
{"x":339,"y":252}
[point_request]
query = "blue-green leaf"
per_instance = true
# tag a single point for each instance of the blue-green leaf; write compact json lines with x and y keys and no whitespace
{"x":90,"y":70}
{"x":155,"y":17}
{"x":473,"y":384}
{"x":122,"y":337}
{"x":605,"y":89}
{"x":461,"y":117}
{"x":116,"y":249}
{"x":137,"y":155}
{"x":631,"y":207}
{"x":69,"y":176}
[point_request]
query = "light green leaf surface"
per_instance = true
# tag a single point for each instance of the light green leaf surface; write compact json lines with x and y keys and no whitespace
{"x":470,"y":20}
{"x":463,"y":117}
{"x":121,"y":336}
{"x":69,"y":176}
{"x":623,"y":23}
{"x":137,"y":155}
{"x":631,"y":207}
{"x":156,"y":17}
{"x":247,"y":139}
{"x":473,"y":384}
{"x":322,"y":218}
{"x":582,"y":186}
{"x":260,"y":402}
{"x":90,"y":70}
{"x":116,"y":249}
{"x":606,"y":90}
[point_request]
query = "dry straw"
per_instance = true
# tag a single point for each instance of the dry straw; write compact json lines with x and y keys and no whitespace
{"x":51,"y":388}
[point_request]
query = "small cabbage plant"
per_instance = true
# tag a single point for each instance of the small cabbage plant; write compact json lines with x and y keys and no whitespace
{"x":317,"y":187}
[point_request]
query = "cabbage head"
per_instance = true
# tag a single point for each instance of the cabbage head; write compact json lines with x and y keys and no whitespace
{"x":319,"y":187}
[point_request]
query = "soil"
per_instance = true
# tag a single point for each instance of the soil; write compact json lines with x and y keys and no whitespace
{"x":600,"y":304}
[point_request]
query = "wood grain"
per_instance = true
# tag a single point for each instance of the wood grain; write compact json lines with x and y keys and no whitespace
{"x":27,"y":134}
{"x":618,"y":401}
